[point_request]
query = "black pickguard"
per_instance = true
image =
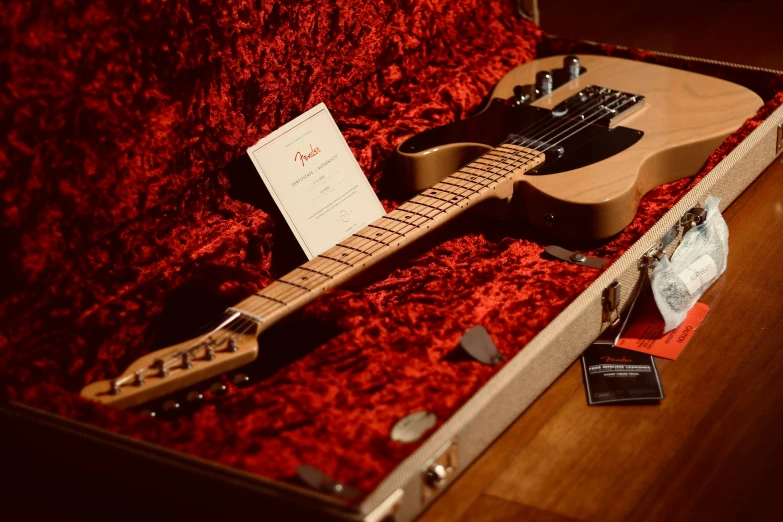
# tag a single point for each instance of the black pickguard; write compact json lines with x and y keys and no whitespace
{"x":591,"y":144}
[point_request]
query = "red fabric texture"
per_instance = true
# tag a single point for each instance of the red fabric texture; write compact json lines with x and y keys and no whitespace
{"x":122,"y":221}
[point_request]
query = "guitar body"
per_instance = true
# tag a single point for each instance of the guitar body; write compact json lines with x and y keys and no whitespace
{"x":593,"y":189}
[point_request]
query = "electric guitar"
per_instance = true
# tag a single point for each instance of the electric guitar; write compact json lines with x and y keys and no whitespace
{"x":549,"y":141}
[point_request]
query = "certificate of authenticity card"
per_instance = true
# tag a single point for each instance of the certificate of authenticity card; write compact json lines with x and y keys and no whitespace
{"x":315,"y":181}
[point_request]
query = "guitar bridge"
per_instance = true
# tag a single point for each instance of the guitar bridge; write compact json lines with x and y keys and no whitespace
{"x":599,"y":105}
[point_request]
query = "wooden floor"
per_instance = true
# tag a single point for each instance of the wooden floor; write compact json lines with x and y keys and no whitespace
{"x":713,"y":449}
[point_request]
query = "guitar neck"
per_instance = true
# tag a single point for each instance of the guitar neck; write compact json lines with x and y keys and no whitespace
{"x":490,"y":176}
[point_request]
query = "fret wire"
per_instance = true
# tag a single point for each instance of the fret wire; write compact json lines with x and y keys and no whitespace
{"x":473,"y":177}
{"x":372,"y":239}
{"x":278,"y":301}
{"x":492,"y":180}
{"x":413,"y":212}
{"x":514,"y":156}
{"x":507,"y":147}
{"x":352,"y":248}
{"x":434,"y":187}
{"x":364,"y":244}
{"x":284,"y":291}
{"x":455,"y":185}
{"x":386,"y":229}
{"x":439,"y":199}
{"x":426,"y":205}
{"x":388,"y":216}
{"x":482,"y":161}
{"x":407,"y":226}
{"x":316,"y":272}
{"x":294,"y":284}
{"x":335,"y":260}
{"x":319,"y":260}
{"x":308,"y":277}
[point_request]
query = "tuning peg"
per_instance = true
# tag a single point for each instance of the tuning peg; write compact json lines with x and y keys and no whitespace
{"x":572,"y":66}
{"x":218,"y":388}
{"x":209,"y":353}
{"x":170,"y":406}
{"x":240,"y":380}
{"x":544,"y":83}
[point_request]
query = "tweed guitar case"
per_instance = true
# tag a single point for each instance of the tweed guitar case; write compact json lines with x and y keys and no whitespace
{"x":129,"y":210}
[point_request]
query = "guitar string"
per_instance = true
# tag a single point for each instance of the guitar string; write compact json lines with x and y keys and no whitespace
{"x":514,"y":164}
{"x":273,"y":304}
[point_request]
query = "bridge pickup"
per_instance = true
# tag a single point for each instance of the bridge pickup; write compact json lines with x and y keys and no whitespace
{"x":598,"y":105}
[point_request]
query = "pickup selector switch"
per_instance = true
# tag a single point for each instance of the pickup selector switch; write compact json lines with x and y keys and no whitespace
{"x":544,"y":83}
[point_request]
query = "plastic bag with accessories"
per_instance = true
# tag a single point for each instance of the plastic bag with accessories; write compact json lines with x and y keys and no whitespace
{"x":698,"y":261}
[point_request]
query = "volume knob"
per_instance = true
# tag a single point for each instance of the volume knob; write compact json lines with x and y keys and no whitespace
{"x":544,"y":83}
{"x":572,"y":67}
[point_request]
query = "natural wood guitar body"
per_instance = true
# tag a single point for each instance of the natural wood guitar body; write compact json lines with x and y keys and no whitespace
{"x":685,"y":117}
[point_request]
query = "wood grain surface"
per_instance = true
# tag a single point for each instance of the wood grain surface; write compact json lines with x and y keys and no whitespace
{"x":712,"y":449}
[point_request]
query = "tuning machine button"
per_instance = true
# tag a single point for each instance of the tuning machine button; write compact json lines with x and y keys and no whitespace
{"x":544,"y":83}
{"x":572,"y":66}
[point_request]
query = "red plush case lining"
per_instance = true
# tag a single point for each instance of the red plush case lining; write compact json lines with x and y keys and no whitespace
{"x":125,"y":215}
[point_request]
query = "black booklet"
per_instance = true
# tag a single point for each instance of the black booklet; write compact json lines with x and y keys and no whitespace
{"x":616,"y":375}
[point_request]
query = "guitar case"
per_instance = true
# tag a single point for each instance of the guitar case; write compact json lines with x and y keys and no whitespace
{"x":131,"y":215}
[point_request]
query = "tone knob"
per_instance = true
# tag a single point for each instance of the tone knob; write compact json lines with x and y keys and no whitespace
{"x":544,"y":83}
{"x":572,"y":67}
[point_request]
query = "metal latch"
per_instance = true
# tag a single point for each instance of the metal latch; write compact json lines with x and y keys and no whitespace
{"x":439,"y":470}
{"x":611,"y":303}
{"x":779,"y":145}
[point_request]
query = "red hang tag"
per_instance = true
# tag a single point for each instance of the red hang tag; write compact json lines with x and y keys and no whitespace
{"x":645,"y":334}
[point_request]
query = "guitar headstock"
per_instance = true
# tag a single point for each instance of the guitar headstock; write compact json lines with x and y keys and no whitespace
{"x":230,"y":344}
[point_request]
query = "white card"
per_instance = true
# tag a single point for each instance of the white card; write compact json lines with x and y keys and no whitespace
{"x":315,"y":181}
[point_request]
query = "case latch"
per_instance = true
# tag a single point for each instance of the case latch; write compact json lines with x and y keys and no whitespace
{"x":611,"y":303}
{"x":439,"y":470}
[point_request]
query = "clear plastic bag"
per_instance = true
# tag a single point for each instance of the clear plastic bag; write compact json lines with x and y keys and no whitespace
{"x":699,"y":260}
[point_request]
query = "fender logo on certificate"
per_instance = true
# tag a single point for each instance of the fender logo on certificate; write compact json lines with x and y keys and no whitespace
{"x":315,"y":181}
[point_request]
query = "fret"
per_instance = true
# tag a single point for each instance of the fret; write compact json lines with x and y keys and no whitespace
{"x":374,"y":245}
{"x":354,"y":249}
{"x":480,"y":171}
{"x":279,"y":302}
{"x":335,"y":260}
{"x":294,"y":285}
{"x":307,"y":277}
{"x":493,"y":164}
{"x":529,"y":154}
{"x":458,"y":195}
{"x":513,"y":154}
{"x":352,"y":256}
{"x":472,"y":177}
{"x":329,"y":266}
{"x":412,"y":211}
{"x":386,"y":229}
{"x":444,"y":182}
{"x":315,"y":271}
{"x":412,"y":200}
{"x":389,"y":216}
{"x":372,"y":239}
{"x":451,"y":201}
